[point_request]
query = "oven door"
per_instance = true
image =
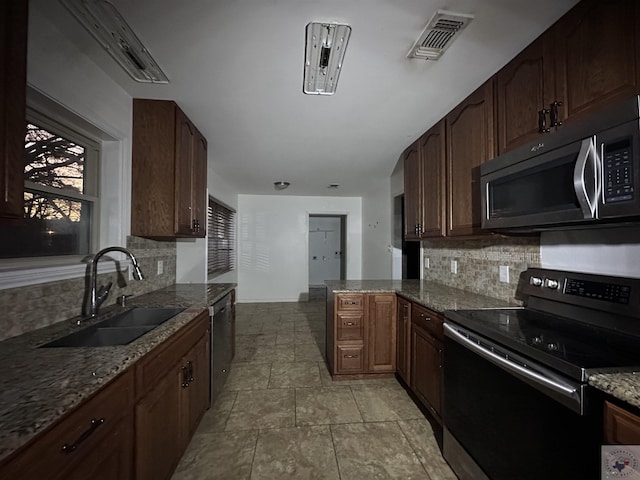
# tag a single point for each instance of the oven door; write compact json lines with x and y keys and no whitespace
{"x":561,"y":186}
{"x":501,"y":425}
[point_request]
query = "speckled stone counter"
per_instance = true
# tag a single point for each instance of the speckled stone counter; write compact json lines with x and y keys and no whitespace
{"x":38,"y":385}
{"x":432,"y":295}
{"x":624,"y":386}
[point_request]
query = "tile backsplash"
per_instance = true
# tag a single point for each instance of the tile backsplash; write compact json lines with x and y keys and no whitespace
{"x":36,"y":306}
{"x":478,"y":263}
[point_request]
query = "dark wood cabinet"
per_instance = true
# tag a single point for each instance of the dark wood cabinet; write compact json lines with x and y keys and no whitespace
{"x":426,"y":358}
{"x":597,"y":56}
{"x":169,"y":172}
{"x":95,"y":440}
{"x":13,"y":76}
{"x":403,"y":344}
{"x":173,"y":394}
{"x":621,"y":426}
{"x":361,"y":333}
{"x":424,"y":180}
{"x":470,"y":131}
{"x":587,"y":60}
{"x":525,"y":87}
{"x":381,"y":320}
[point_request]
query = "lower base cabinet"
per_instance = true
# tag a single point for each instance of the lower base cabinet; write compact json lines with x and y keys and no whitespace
{"x":621,"y":426}
{"x":174,"y":383}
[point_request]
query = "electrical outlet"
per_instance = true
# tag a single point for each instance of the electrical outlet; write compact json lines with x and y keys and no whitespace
{"x":426,"y":262}
{"x":160,"y":267}
{"x":454,"y":266}
{"x":504,"y":273}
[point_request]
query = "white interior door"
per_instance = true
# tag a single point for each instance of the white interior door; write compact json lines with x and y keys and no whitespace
{"x":325,"y":254}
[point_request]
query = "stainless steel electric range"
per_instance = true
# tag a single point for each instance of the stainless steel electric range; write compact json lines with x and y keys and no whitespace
{"x":517,"y":400}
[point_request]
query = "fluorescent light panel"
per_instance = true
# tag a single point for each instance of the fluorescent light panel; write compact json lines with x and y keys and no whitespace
{"x":325,"y":48}
{"x":107,"y":26}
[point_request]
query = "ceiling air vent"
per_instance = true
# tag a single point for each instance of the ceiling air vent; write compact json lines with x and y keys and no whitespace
{"x":439,"y":34}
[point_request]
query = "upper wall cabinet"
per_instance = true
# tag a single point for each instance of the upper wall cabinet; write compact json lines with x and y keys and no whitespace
{"x":587,"y":60}
{"x":13,"y":75}
{"x":470,"y":131}
{"x":169,"y":172}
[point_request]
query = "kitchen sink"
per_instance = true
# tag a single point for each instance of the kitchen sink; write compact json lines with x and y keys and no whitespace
{"x":119,"y":330}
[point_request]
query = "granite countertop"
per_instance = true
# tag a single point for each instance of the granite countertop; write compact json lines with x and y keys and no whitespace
{"x":38,"y":385}
{"x":624,"y":386}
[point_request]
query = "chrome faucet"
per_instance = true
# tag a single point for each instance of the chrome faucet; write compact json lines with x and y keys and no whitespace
{"x":98,"y":296}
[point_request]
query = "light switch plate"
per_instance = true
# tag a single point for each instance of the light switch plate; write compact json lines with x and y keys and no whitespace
{"x":504,"y":273}
{"x":160,"y":267}
{"x":454,"y":266}
{"x":426,"y":262}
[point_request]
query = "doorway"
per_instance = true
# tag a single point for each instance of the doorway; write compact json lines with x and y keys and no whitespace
{"x":410,"y":251}
{"x":327,"y":251}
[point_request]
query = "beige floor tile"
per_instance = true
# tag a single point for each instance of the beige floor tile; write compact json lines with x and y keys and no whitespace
{"x":271,"y":408}
{"x":372,"y":451}
{"x":308,"y":353}
{"x":383,"y":403}
{"x":218,"y":456}
{"x":277,"y":327}
{"x":420,"y":436}
{"x":256,"y":339}
{"x":295,"y":374}
{"x":248,"y":328}
{"x":248,"y":376}
{"x":264,"y":354}
{"x":328,"y":381}
{"x":215,"y":418}
{"x":326,"y":405}
{"x":295,"y":453}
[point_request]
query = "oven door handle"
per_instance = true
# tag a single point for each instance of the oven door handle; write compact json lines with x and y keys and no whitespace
{"x":554,"y":385}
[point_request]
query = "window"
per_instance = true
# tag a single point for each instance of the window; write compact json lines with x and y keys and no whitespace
{"x":60,"y":193}
{"x":221,"y":241}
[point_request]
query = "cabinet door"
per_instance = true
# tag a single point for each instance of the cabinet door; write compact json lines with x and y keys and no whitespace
{"x":597,"y":56}
{"x":196,"y":394}
{"x":432,"y":153}
{"x":621,"y":427}
{"x":13,"y":74}
{"x":404,"y":339}
{"x":158,"y":428}
{"x":470,"y":142}
{"x":199,"y":185}
{"x":524,"y":87}
{"x":412,"y":193}
{"x":426,"y":370}
{"x":381,"y":322}
{"x":185,"y":143}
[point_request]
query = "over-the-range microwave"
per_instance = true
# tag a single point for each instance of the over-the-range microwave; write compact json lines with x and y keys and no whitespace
{"x":586,"y":174}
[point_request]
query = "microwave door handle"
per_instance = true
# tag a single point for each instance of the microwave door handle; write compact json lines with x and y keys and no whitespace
{"x":588,"y":200}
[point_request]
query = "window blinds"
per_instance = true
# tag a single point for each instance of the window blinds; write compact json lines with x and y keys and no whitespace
{"x":221,"y":238}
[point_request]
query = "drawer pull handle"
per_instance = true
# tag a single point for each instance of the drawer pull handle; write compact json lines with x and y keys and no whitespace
{"x":95,"y":423}
{"x":351,"y":303}
{"x":187,"y":374}
{"x":350,"y":324}
{"x":422,"y":315}
{"x":351,"y":356}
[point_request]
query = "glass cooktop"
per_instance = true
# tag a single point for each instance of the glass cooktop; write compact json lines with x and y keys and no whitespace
{"x":565,"y":345}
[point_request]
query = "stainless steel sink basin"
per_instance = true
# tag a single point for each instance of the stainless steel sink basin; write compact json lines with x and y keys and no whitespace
{"x":119,"y":330}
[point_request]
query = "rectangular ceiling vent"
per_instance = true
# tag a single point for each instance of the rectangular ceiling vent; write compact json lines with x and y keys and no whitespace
{"x":103,"y":21}
{"x":439,"y":34}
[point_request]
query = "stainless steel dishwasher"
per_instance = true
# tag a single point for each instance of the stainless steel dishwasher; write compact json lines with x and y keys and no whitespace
{"x":222,"y":315}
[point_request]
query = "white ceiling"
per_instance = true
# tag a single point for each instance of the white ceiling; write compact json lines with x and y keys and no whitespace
{"x":236,"y":70}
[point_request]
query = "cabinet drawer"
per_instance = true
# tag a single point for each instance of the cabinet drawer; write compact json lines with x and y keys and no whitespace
{"x":350,"y":326}
{"x":620,"y":426}
{"x":79,"y":436}
{"x":425,"y":318}
{"x":161,"y":359}
{"x":350,"y":301}
{"x":350,"y":358}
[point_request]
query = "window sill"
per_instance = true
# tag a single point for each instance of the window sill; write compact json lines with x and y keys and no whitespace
{"x":14,"y":277}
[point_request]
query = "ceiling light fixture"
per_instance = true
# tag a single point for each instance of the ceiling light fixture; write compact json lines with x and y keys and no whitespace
{"x":325,"y":48}
{"x":108,"y":27}
{"x":439,"y":34}
{"x":280,"y":185}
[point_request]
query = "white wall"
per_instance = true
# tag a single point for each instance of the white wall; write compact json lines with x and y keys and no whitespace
{"x":273,"y":236}
{"x":614,"y":251}
{"x":58,"y":70}
{"x":377,"y":215}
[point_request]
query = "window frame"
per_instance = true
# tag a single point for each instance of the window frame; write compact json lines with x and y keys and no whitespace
{"x":228,"y":263}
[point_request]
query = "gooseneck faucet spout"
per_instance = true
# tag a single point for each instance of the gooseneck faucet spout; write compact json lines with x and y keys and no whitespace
{"x":98,"y":296}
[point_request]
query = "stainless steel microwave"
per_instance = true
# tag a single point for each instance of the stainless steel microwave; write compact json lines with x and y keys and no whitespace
{"x":587,"y":174}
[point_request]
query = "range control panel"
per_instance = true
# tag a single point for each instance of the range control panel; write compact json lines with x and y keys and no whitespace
{"x":602,"y":292}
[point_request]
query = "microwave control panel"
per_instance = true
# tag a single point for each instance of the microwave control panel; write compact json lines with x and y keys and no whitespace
{"x":618,"y":172}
